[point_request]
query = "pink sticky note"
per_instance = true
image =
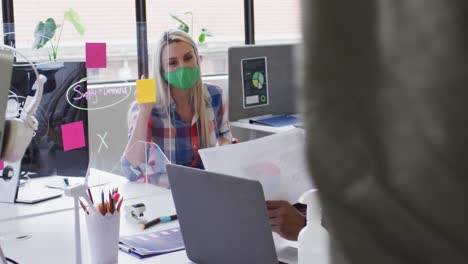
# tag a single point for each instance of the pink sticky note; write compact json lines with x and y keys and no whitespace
{"x":73,"y":135}
{"x":96,"y":55}
{"x":1,"y":165}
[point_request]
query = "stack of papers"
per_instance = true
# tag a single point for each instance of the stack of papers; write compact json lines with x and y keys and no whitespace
{"x":152,"y":244}
{"x":277,"y":162}
{"x":278,"y":120}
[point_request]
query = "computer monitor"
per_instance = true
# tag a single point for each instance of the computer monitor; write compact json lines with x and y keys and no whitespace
{"x":6,"y":61}
{"x":261,"y":81}
{"x":46,"y":154}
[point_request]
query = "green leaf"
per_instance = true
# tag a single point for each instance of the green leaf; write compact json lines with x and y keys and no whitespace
{"x":201,"y":38}
{"x":204,"y":33}
{"x":44,"y":32}
{"x":183,"y":26}
{"x":73,"y":17}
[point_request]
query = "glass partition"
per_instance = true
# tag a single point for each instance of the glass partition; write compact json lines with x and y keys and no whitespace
{"x":104,"y":95}
{"x":89,"y":61}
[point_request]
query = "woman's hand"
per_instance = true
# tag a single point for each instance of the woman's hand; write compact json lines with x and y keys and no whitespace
{"x":285,"y":219}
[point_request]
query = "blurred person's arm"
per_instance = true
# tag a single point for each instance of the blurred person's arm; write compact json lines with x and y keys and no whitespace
{"x":385,"y":115}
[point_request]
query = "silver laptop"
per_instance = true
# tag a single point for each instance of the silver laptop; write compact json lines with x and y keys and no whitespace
{"x":223,"y":219}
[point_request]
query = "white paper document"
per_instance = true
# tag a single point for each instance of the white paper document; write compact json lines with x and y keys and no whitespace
{"x":276,"y":161}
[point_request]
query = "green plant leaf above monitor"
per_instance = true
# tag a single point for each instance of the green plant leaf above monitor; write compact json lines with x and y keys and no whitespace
{"x":204,"y":33}
{"x":183,"y":26}
{"x":44,"y":32}
{"x":73,"y":17}
{"x":201,"y":38}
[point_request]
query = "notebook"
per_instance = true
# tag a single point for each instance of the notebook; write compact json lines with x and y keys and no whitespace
{"x":37,"y":194}
{"x":278,"y":120}
{"x":152,"y":244}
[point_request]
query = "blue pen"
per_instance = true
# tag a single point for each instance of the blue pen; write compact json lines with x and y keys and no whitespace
{"x":162,"y":219}
{"x":65,"y":180}
{"x":168,"y":218}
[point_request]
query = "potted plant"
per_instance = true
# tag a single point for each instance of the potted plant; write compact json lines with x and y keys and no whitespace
{"x":185,"y":27}
{"x":45,"y":32}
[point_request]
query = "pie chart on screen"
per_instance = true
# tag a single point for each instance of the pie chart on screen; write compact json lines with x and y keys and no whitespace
{"x":258,"y":80}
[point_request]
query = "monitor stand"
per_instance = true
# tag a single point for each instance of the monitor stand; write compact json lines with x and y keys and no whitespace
{"x":33,"y":191}
{"x":9,"y":181}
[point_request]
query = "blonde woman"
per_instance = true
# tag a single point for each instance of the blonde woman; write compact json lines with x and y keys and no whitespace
{"x":188,"y":115}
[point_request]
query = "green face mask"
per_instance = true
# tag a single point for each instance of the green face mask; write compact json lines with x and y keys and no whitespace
{"x":183,"y":78}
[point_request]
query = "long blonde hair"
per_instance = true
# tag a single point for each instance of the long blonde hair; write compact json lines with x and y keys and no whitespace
{"x":197,"y":95}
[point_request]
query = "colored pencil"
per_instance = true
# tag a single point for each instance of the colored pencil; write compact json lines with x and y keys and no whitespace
{"x":90,"y":196}
{"x":103,"y":203}
{"x":120,"y":204}
{"x":83,"y":206}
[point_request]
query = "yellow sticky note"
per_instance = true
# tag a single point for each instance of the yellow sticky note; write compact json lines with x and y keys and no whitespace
{"x":146,"y":91}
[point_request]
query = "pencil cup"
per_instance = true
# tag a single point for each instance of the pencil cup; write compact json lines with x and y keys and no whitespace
{"x":103,"y":237}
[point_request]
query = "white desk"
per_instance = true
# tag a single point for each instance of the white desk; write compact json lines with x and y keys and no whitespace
{"x":129,"y":190}
{"x":51,"y":236}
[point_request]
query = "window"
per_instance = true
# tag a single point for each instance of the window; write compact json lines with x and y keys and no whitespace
{"x":224,"y":19}
{"x":1,"y":29}
{"x":6,"y":27}
{"x":112,"y":22}
{"x":277,"y":21}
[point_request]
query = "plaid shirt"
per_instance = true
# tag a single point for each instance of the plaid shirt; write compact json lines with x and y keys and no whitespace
{"x":180,"y":141}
